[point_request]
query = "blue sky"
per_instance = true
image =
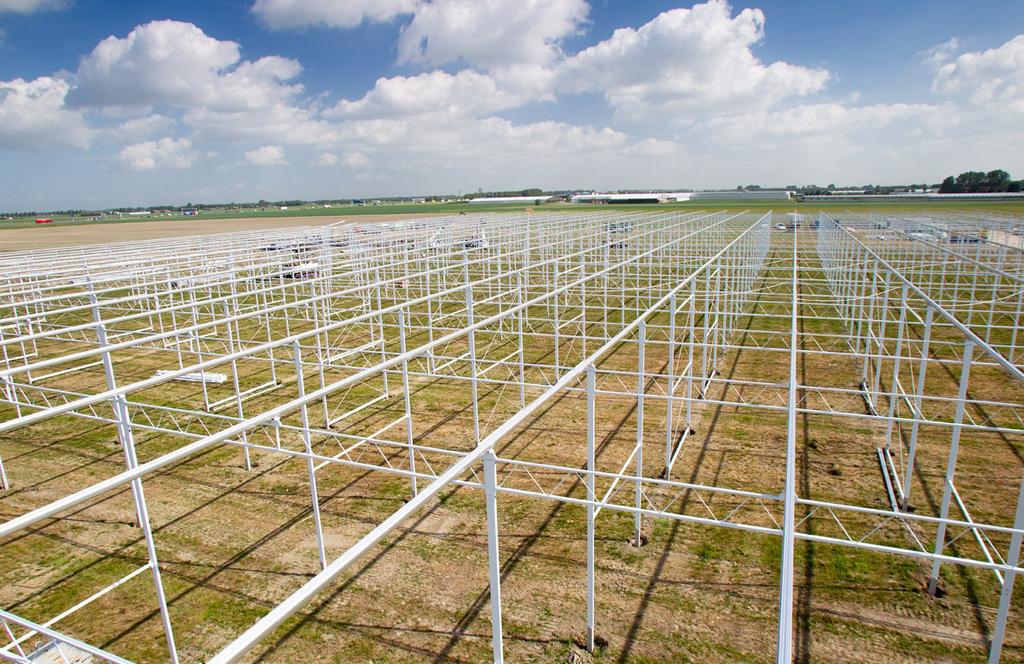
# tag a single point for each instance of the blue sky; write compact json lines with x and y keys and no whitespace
{"x":107,"y":103}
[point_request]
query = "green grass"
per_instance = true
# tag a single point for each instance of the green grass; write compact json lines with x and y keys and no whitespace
{"x":455,"y":208}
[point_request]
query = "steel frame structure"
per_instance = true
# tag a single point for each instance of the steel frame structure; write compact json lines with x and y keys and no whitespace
{"x":290,"y":334}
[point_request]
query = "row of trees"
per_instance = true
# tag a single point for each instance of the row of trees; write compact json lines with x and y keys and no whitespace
{"x":513,"y":192}
{"x":978,"y":182}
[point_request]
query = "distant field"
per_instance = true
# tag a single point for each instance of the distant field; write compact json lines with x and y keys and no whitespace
{"x":69,"y":235}
{"x":291,"y":213}
{"x":23,"y":233}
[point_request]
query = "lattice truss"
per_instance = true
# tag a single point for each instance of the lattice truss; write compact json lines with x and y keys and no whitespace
{"x":326,"y":345}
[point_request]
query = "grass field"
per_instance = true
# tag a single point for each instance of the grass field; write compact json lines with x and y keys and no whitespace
{"x":454,"y":208}
{"x":24,"y":233}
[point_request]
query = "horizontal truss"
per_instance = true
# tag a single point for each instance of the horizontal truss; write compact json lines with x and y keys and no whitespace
{"x":323,"y":323}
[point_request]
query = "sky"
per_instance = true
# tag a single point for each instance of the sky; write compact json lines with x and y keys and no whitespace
{"x":106,"y":103}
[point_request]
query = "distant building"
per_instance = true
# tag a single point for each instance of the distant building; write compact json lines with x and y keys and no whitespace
{"x":761,"y":195}
{"x":652,"y":198}
{"x":521,"y":200}
{"x":641,"y":198}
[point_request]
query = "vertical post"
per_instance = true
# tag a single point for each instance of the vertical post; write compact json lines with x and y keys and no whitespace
{"x":238,"y":389}
{"x":266,"y":319}
{"x":583,"y":306}
{"x":640,"y":384}
{"x":893,"y":393}
{"x":407,"y":398}
{"x":669,"y":405}
{"x":689,"y":355}
{"x":519,"y":334}
{"x":705,"y":316}
{"x":995,"y":296}
{"x":11,"y":395}
{"x":1006,"y":596}
{"x":7,"y":379}
{"x":430,"y":320}
{"x":124,"y":433}
{"x":718,"y":316}
{"x":380,"y":325}
{"x":558,"y":333}
{"x":880,"y":345}
{"x":607,"y":275}
{"x":1012,"y":352}
{"x":908,"y":476}
{"x":307,"y":443}
{"x":493,"y":564}
{"x":868,"y":332}
{"x":954,"y":447}
{"x":472,"y":364}
{"x":784,"y":639}
{"x":591,"y":498}
{"x":4,"y":484}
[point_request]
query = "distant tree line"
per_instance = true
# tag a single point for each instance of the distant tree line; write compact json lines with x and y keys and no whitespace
{"x":968,"y":182}
{"x":518,"y":192}
{"x":971,"y":182}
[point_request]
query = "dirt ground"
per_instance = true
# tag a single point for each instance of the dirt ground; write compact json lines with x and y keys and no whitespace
{"x":232,"y":542}
{"x":18,"y":239}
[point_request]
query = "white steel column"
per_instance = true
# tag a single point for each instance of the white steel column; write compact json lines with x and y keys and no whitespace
{"x":1006,"y":596}
{"x":591,"y":497}
{"x":300,"y":387}
{"x":784,"y":639}
{"x":493,"y":562}
{"x":471,"y":340}
{"x":640,"y":385}
{"x":669,"y":403}
{"x":954,"y":448}
{"x":407,"y":398}
{"x":124,"y":430}
{"x":908,"y":477}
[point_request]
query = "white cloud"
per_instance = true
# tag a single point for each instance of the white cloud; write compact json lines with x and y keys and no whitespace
{"x":268,"y":155}
{"x":283,"y":14}
{"x":438,"y":142}
{"x":164,"y":153}
{"x":489,"y":33}
{"x":176,"y":64}
{"x":465,"y":93}
{"x":818,"y":121}
{"x":29,"y":6}
{"x":433,"y":153}
{"x":940,"y":53}
{"x":163,"y":62}
{"x":995,"y":75}
{"x":143,"y":127}
{"x":686,"y":63}
{"x":652,"y":147}
{"x":33,"y":116}
{"x":170,"y":64}
{"x":326,"y":159}
{"x":286,"y":123}
{"x":356,"y":159}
